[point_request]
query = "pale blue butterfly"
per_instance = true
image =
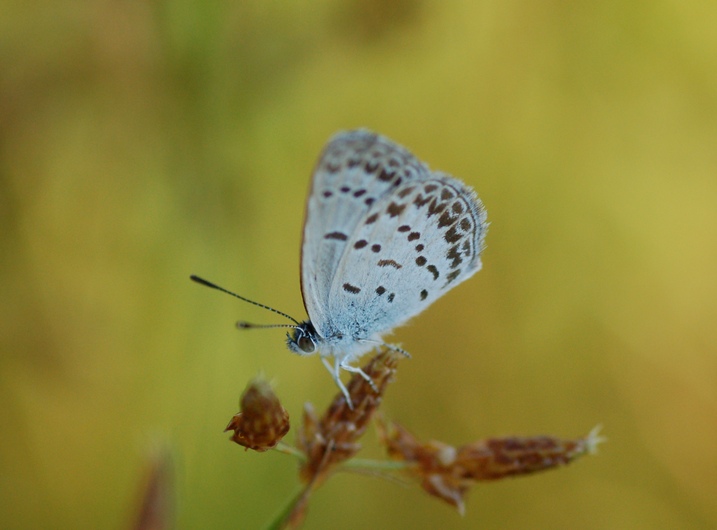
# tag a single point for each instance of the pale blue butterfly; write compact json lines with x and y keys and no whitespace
{"x":384,"y":237}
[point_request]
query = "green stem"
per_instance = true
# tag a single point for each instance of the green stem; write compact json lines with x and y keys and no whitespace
{"x":382,"y":465}
{"x":289,"y":450}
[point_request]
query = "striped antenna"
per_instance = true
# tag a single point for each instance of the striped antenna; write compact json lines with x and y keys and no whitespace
{"x":247,"y":325}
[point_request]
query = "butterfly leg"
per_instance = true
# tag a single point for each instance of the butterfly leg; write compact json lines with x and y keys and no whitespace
{"x":392,"y":347}
{"x":334,"y":371}
{"x":398,"y":349}
{"x":357,"y":370}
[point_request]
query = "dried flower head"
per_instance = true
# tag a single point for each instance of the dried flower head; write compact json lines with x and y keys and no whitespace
{"x":262,"y":422}
{"x":334,"y":438}
{"x":447,"y":472}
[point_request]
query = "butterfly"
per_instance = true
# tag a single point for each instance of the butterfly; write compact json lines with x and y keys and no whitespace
{"x":384,"y":237}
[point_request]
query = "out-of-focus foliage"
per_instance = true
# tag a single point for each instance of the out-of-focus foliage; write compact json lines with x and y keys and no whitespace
{"x":144,"y":141}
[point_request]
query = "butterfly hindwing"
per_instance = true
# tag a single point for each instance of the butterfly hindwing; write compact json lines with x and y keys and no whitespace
{"x":411,"y":248}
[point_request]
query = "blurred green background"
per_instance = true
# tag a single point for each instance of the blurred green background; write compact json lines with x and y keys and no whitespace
{"x":144,"y":141}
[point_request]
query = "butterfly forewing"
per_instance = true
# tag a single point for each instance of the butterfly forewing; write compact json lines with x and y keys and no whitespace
{"x":357,"y":171}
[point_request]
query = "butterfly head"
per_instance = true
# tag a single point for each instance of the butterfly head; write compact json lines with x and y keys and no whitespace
{"x":303,"y":340}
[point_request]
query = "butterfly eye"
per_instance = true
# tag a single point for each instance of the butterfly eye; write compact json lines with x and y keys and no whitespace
{"x":306,"y":344}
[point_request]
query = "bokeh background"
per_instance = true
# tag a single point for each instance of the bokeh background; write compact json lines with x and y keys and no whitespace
{"x":144,"y":141}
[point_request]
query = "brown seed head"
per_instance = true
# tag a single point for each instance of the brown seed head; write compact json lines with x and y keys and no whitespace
{"x":262,"y":422}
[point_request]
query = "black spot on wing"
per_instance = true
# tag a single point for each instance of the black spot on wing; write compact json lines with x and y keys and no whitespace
{"x":446,"y":194}
{"x":351,"y":288}
{"x":452,"y":235}
{"x":385,"y":176}
{"x":395,"y":209}
{"x":420,"y":200}
{"x":435,"y":207}
{"x":389,"y":263}
{"x":340,"y":236}
{"x":454,"y":256}
{"x":405,"y":191}
{"x":446,"y":219}
{"x":452,"y":276}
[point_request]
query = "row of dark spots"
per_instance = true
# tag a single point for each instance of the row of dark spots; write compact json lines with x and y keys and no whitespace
{"x":412,"y":236}
{"x":368,"y":201}
{"x":456,"y":253}
{"x":421,"y":261}
{"x":361,"y":155}
{"x":380,"y":290}
{"x":457,"y":231}
{"x":449,"y":218}
{"x":435,"y":206}
{"x":361,"y":243}
{"x":393,"y":171}
{"x":372,"y":162}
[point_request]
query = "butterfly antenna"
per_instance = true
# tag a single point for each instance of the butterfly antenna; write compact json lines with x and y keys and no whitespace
{"x":246,"y":325}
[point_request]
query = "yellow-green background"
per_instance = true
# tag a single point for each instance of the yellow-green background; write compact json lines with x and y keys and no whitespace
{"x":144,"y":141}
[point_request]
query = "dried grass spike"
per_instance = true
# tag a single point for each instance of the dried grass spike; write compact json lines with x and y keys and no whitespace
{"x":334,"y":438}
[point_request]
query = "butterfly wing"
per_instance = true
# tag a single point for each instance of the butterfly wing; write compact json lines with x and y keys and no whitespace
{"x":357,"y":171}
{"x":411,"y":248}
